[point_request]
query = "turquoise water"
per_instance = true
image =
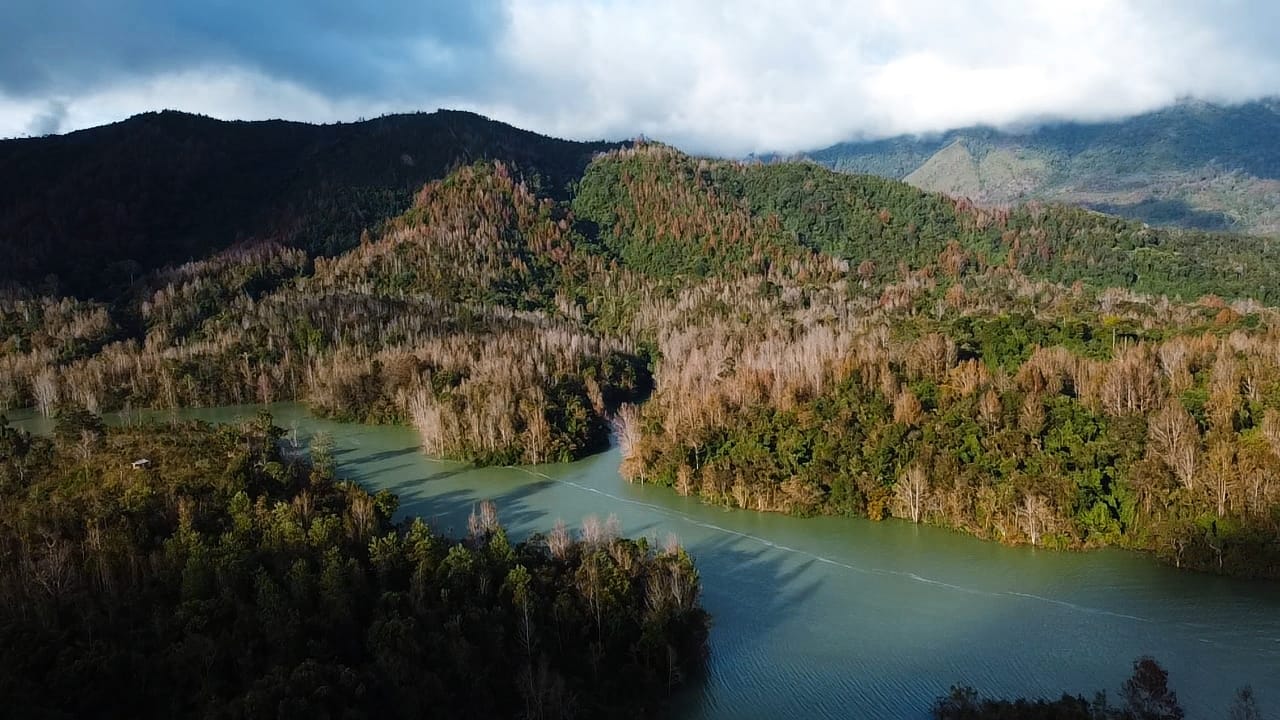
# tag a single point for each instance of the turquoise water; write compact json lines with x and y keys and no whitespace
{"x":840,"y":618}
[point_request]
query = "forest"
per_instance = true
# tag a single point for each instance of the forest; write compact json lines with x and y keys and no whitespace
{"x":89,"y":212}
{"x":776,"y":337}
{"x":1145,"y":695}
{"x":234,"y":575}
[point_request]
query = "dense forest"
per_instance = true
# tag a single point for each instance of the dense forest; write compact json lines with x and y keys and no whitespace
{"x":235,"y":576}
{"x":90,"y":211}
{"x":1146,"y":695}
{"x":454,"y":317}
{"x":777,"y":337}
{"x":967,"y":388}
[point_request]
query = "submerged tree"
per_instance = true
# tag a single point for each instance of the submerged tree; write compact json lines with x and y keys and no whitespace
{"x":1147,"y":694}
{"x":1245,"y":705}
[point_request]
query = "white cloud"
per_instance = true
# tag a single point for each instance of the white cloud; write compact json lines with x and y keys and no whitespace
{"x":226,"y":93}
{"x":734,"y":76}
{"x":748,"y":75}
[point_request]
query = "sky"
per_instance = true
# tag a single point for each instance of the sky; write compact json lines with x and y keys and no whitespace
{"x":724,"y":77}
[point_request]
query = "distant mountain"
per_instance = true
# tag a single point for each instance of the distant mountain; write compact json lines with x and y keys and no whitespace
{"x":1193,"y":164}
{"x":98,"y":207}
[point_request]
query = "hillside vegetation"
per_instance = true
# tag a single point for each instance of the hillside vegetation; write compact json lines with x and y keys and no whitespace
{"x":235,"y":577}
{"x":91,"y":211}
{"x":1194,"y":165}
{"x":775,"y":337}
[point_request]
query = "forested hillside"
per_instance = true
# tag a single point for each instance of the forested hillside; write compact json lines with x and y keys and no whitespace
{"x":455,"y":316}
{"x":664,"y":213}
{"x":97,"y":208}
{"x":948,"y":364}
{"x":775,"y":337}
{"x":1194,"y":165}
{"x":235,"y":576}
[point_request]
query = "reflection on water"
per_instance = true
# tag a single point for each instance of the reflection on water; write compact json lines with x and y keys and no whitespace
{"x":832,"y":617}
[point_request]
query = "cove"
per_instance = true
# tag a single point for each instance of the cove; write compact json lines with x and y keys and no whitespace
{"x":845,"y":618}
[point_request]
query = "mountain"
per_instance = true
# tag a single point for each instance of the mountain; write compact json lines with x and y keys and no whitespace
{"x":1194,"y":164}
{"x":797,"y":339}
{"x":98,"y":207}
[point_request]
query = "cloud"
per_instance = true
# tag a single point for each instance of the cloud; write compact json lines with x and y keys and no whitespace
{"x":720,"y":76}
{"x":228,"y":93}
{"x":50,"y":121}
{"x":751,"y":75}
{"x":332,"y":47}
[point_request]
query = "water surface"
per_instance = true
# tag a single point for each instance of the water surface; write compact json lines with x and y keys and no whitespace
{"x":840,"y":618}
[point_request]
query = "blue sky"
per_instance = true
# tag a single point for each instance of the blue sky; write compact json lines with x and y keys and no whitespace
{"x":716,"y":76}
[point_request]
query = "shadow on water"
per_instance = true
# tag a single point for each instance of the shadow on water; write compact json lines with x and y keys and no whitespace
{"x":378,"y":457}
{"x":448,"y":511}
{"x":750,"y":591}
{"x":839,"y":618}
{"x":443,"y":475}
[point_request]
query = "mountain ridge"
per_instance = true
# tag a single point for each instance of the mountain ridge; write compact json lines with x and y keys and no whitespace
{"x":168,"y":187}
{"x":1194,"y":164}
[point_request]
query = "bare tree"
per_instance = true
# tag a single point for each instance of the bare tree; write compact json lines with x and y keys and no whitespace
{"x":558,"y":541}
{"x":85,"y":444}
{"x":671,"y":545}
{"x":1173,"y":363}
{"x":45,"y":390}
{"x":1224,"y":390}
{"x":1130,"y":384}
{"x":1035,"y":516}
{"x":1271,"y":429}
{"x":911,"y":492}
{"x":483,"y":520}
{"x":1220,"y":473}
{"x":930,"y":357}
{"x":1173,"y":437}
{"x":968,"y":377}
{"x":598,"y":534}
{"x":907,"y":408}
{"x":626,"y":424}
{"x":362,"y":514}
{"x":989,"y":407}
{"x":54,"y":569}
{"x":1031,"y":418}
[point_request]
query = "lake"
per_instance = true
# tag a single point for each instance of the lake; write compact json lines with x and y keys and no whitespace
{"x":844,"y":618}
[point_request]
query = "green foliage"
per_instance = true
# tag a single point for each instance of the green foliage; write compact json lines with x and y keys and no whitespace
{"x":72,"y":422}
{"x":821,"y":335}
{"x":229,"y":580}
{"x":1024,"y":427}
{"x":664,"y":214}
{"x":667,"y":214}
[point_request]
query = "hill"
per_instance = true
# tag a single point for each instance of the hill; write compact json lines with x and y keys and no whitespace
{"x":97,"y":208}
{"x":665,"y":213}
{"x":801,"y":341}
{"x":1194,"y":164}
